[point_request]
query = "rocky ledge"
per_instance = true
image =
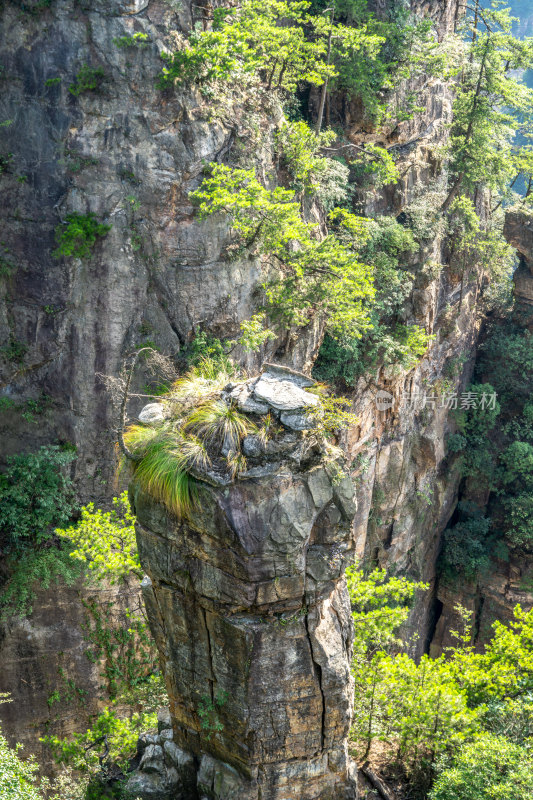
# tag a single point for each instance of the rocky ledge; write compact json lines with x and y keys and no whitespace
{"x":248,"y":603}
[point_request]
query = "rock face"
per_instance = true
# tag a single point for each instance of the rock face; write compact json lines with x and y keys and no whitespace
{"x":130,"y":155}
{"x":48,"y":667}
{"x":249,"y":608}
{"x":518,"y":231}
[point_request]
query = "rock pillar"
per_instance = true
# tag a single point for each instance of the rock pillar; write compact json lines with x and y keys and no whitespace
{"x":249,"y":608}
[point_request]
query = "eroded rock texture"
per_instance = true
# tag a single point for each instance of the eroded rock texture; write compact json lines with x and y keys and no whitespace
{"x":249,"y":607}
{"x":519,"y":233}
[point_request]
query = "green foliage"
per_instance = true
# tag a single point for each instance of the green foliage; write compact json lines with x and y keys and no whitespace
{"x":431,"y":716}
{"x":280,"y":42}
{"x":88,"y":79}
{"x":122,"y":734}
{"x":520,"y":510}
{"x":104,"y":541}
{"x":137,"y":40}
{"x":375,"y":165}
{"x":322,"y":277}
{"x":14,"y":350}
{"x":416,"y":709}
{"x":207,"y":356}
{"x":508,"y":353}
{"x":254,"y":333}
{"x":117,"y":728}
{"x":492,"y":103}
{"x":33,"y":7}
{"x":35,"y":495}
{"x":17,"y":776}
{"x":218,"y":423}
{"x":163,"y":468}
{"x":79,"y":236}
{"x":311,"y":173}
{"x":380,"y":605}
{"x":489,"y":768}
{"x":518,"y":464}
{"x":332,"y":414}
{"x":386,"y":246}
{"x":122,"y":640}
{"x":339,"y":360}
{"x":208,"y":709}
{"x":30,"y":570}
{"x":475,"y":245}
{"x":466,"y":550}
{"x":475,"y":424}
{"x":404,"y":48}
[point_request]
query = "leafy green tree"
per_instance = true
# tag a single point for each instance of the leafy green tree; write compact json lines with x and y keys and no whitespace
{"x":311,"y":173}
{"x":104,"y":541}
{"x":278,"y":40}
{"x":476,"y":247}
{"x":519,"y":531}
{"x":386,"y":246}
{"x":467,"y":546}
{"x":317,"y":276}
{"x":492,"y":105}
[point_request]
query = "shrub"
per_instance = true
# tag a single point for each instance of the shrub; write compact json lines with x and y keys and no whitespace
{"x":279,"y":41}
{"x":79,"y":236}
{"x":319,"y":277}
{"x":489,"y":768}
{"x":507,"y":354}
{"x":88,"y":79}
{"x":137,"y":40}
{"x":35,"y":496}
{"x":17,"y":776}
{"x":466,"y":549}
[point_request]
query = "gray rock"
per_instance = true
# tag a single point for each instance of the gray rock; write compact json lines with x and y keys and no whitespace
{"x":252,"y":447}
{"x":283,"y":395}
{"x":219,"y":780}
{"x":242,"y":395}
{"x":164,"y":721}
{"x":153,"y":413}
{"x":178,"y":757}
{"x":147,"y":787}
{"x":152,"y":760}
{"x":319,"y":484}
{"x":296,"y":421}
{"x":262,"y":471}
{"x":286,"y":373}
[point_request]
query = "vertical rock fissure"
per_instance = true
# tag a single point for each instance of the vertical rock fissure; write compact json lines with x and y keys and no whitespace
{"x":318,"y":673}
{"x":209,"y":655}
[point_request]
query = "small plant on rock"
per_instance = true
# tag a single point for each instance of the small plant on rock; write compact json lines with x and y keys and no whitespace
{"x":79,"y":236}
{"x":88,"y":79}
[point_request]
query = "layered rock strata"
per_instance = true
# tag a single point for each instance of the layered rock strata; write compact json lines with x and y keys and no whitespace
{"x":248,"y":603}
